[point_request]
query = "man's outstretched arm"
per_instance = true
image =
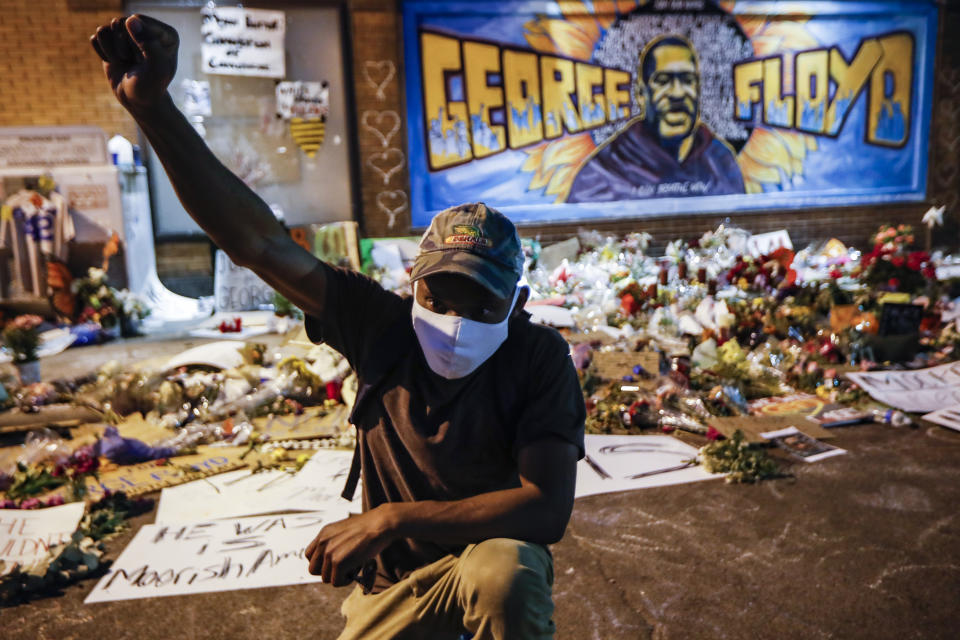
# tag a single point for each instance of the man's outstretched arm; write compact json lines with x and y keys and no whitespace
{"x":537,"y":511}
{"x":140,"y":59}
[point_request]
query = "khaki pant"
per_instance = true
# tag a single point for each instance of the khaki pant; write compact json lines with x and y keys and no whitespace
{"x":498,"y":589}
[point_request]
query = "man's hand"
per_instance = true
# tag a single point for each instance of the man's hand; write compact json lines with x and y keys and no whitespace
{"x":342,"y":548}
{"x":139,"y":58}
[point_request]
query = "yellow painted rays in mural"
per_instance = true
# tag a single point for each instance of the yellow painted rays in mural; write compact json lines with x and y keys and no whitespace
{"x":769,"y":157}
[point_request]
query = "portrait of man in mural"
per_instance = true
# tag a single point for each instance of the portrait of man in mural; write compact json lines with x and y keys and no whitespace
{"x":667,"y":150}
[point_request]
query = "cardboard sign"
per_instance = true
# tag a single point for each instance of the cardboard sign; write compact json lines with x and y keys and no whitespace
{"x":765,"y":243}
{"x":243,"y":42}
{"x":753,"y":426}
{"x":224,"y":555}
{"x":615,"y":365}
{"x":145,"y":477}
{"x":27,"y":535}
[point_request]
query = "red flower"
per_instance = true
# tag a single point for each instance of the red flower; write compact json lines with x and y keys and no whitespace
{"x":713,"y":434}
{"x":893,"y":283}
{"x":83,"y":461}
{"x":929,"y":272}
{"x":629,"y":304}
{"x":835,"y":273}
{"x":333,"y":390}
{"x":916,"y":259}
{"x":898,"y":261}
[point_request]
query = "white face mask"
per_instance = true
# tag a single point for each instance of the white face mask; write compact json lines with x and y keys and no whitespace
{"x":455,"y":346}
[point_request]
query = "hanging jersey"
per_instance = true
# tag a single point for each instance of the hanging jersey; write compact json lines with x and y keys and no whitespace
{"x":34,"y":228}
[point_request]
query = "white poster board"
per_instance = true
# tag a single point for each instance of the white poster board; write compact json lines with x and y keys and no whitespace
{"x":763,"y":244}
{"x":620,"y":463}
{"x":920,"y":390}
{"x":237,"y":288}
{"x":27,"y":535}
{"x":243,"y":42}
{"x":316,"y":487}
{"x":222,"y":555}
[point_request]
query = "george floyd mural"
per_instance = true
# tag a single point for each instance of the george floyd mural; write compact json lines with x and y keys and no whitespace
{"x":585,"y":110}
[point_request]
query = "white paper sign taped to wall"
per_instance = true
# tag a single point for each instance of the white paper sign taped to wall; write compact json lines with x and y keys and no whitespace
{"x":27,"y":535}
{"x":243,"y":42}
{"x":303,"y":100}
{"x":221,"y":555}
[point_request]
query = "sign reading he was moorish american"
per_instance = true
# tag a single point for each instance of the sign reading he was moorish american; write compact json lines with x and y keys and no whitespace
{"x":590,"y":109}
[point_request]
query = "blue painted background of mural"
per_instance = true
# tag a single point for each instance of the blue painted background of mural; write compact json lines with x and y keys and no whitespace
{"x":841,"y":170}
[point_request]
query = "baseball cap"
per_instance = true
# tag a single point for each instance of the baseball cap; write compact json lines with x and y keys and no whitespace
{"x":473,"y":240}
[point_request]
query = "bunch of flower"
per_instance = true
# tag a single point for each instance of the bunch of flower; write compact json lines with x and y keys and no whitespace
{"x":97,"y":300}
{"x":22,"y":337}
{"x":892,"y":266}
{"x":81,"y":464}
{"x":764,"y":274}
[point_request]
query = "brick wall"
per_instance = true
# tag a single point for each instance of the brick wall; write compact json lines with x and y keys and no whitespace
{"x":381,"y":126}
{"x":376,"y":36}
{"x":49,"y":73}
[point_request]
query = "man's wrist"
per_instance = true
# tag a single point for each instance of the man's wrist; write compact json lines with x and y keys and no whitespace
{"x":152,"y":111}
{"x":393,"y":519}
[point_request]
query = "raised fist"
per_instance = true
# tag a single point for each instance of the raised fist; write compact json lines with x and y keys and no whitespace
{"x":139,"y":58}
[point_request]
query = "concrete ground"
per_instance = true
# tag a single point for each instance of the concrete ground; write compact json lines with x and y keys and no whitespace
{"x":865,"y":545}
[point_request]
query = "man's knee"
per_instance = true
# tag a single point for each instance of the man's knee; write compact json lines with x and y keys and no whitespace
{"x":507,"y":579}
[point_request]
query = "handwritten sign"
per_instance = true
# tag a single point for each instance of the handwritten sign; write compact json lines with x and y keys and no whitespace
{"x":224,"y":555}
{"x":949,"y":417}
{"x":243,"y":42}
{"x":27,"y":535}
{"x":303,"y":100}
{"x":620,"y":463}
{"x":314,"y":422}
{"x":765,"y":243}
{"x":237,"y":288}
{"x":316,"y":487}
{"x":921,"y":391}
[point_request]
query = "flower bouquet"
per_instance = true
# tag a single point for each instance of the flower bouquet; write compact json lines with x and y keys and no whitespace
{"x":891,"y":266}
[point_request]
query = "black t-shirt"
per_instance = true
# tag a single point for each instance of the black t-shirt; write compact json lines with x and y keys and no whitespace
{"x":423,"y":437}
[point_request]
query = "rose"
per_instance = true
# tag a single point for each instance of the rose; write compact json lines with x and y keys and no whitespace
{"x":893,"y":283}
{"x":898,"y":261}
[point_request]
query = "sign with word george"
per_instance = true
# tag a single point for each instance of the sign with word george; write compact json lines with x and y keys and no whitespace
{"x":243,"y":42}
{"x":221,"y":555}
{"x":553,"y":110}
{"x":237,"y":288}
{"x":27,"y":535}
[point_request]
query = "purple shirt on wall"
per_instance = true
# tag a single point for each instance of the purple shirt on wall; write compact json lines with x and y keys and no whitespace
{"x":632,"y":164}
